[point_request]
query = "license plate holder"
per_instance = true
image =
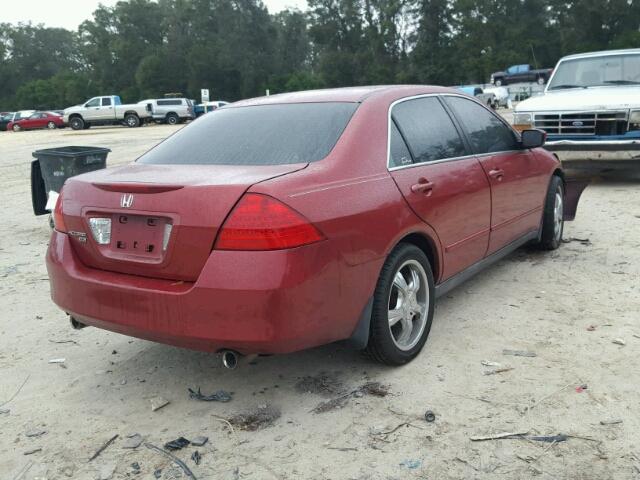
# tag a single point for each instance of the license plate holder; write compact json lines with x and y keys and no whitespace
{"x":139,"y":235}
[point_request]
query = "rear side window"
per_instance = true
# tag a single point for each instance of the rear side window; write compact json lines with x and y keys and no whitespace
{"x":399,"y":154}
{"x":486,"y":132}
{"x":428,"y":129}
{"x":106,"y":102}
{"x":257,"y":135}
{"x":169,"y":102}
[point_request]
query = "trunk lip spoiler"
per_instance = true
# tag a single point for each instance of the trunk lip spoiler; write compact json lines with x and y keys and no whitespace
{"x":136,"y":187}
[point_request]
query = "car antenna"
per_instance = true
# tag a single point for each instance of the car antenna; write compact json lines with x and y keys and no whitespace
{"x":535,"y":62}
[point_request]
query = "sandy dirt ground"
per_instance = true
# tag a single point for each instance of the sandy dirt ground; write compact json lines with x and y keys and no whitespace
{"x":566,"y":307}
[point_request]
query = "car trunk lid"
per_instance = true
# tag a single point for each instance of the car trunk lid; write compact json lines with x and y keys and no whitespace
{"x":163,"y":218}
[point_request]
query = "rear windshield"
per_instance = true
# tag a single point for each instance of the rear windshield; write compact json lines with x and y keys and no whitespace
{"x":257,"y":135}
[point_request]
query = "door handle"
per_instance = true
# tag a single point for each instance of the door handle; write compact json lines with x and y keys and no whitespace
{"x":496,"y":173}
{"x":423,"y":186}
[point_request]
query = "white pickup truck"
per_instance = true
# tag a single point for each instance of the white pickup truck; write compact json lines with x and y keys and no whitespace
{"x":107,"y":110}
{"x":590,"y":110}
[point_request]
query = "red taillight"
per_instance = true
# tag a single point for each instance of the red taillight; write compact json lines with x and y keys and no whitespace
{"x":260,"y":222}
{"x":58,"y":219}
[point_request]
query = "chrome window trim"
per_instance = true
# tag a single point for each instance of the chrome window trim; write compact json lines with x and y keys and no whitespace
{"x":440,"y":160}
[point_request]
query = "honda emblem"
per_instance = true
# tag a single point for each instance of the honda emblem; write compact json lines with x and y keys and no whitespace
{"x":126,"y":201}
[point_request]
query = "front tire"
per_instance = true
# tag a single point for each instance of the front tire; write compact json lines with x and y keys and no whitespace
{"x":76,"y":123}
{"x":498,"y":82}
{"x":553,"y":215}
{"x":16,"y":128}
{"x":403,"y":305}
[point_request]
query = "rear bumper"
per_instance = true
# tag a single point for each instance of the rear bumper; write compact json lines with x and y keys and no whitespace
{"x":595,"y":151}
{"x":252,"y":302}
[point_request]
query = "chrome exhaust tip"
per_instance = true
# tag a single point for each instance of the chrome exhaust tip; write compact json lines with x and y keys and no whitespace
{"x":76,"y":325}
{"x":230,"y":359}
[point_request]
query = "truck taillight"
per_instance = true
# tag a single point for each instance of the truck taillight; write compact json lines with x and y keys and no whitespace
{"x":58,"y":219}
{"x":260,"y":222}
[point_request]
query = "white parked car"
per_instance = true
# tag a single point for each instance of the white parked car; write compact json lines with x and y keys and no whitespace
{"x":590,"y":109}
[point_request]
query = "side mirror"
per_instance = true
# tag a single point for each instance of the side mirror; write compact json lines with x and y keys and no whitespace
{"x":533,"y":138}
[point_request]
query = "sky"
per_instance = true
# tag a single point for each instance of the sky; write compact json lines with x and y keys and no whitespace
{"x":71,"y":13}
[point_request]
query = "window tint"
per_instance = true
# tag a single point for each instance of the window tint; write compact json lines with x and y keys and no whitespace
{"x":428,"y":129}
{"x":486,"y":132}
{"x":106,"y":102}
{"x":94,"y":102}
{"x":169,"y":102}
{"x":399,"y":154}
{"x":257,"y":135}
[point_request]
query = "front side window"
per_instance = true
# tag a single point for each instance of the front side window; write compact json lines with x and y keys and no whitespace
{"x":94,"y":102}
{"x":257,"y":135}
{"x":428,"y":130}
{"x":486,"y":132}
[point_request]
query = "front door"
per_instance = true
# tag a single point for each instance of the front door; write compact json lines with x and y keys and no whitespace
{"x":92,"y":109}
{"x":518,"y":181}
{"x":444,"y":186}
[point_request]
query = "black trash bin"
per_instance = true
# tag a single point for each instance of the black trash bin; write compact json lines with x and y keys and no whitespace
{"x":54,"y":165}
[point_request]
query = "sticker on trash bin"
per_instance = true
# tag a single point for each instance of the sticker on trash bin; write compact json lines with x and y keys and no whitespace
{"x":58,"y":173}
{"x":92,"y":159}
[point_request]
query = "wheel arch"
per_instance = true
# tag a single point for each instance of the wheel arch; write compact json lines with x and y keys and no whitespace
{"x":558,"y":172}
{"x":131,"y":112}
{"x":428,"y":246}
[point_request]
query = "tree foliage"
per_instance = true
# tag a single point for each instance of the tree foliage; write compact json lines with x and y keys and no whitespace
{"x":143,"y":48}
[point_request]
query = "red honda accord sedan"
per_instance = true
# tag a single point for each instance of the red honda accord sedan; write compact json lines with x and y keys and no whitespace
{"x":281,"y":223}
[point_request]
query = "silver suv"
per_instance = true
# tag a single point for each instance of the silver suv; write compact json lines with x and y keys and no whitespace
{"x":171,"y":110}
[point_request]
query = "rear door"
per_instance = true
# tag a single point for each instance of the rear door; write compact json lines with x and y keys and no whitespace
{"x":106,"y":111}
{"x":445,"y":187}
{"x":518,"y":180}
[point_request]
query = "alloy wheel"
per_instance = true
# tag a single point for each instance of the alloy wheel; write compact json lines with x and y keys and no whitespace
{"x":408,"y":305}
{"x":558,"y":214}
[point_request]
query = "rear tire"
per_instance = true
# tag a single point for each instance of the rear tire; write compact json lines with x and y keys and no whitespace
{"x":498,"y":82}
{"x":172,"y":119}
{"x":553,"y":215}
{"x":540,"y":80}
{"x":76,"y":123}
{"x":131,"y":120}
{"x":403,"y":304}
{"x":51,"y":126}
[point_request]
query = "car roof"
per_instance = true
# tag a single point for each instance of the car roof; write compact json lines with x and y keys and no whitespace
{"x":601,"y":53}
{"x":346,"y":94}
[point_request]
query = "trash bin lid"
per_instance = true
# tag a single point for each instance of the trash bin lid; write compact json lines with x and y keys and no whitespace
{"x":71,"y":151}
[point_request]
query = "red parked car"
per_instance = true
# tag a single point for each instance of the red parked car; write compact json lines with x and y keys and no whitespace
{"x":37,"y":120}
{"x":282,"y":223}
